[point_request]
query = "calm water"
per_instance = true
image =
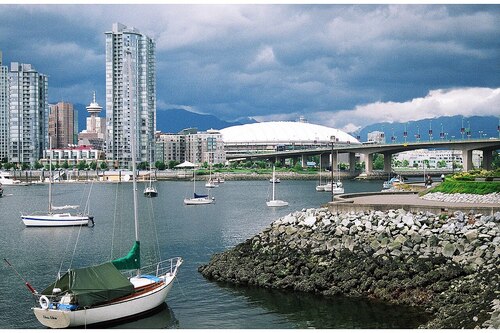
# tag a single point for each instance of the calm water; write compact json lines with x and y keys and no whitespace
{"x":192,"y":232}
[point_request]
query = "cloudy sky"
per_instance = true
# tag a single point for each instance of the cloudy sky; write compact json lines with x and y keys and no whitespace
{"x":344,"y":66}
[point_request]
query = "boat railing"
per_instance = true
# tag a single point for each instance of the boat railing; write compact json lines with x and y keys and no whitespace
{"x":167,"y":266}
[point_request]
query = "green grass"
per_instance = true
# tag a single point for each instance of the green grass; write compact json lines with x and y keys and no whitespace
{"x":470,"y":187}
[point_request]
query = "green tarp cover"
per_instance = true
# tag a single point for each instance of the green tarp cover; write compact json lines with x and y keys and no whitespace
{"x":131,"y":261}
{"x":93,"y":285}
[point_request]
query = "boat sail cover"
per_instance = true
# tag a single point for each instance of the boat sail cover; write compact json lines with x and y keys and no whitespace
{"x":131,"y":261}
{"x":200,"y":195}
{"x":92,"y":285}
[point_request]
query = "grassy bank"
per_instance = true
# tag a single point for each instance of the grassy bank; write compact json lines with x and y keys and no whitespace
{"x":466,"y":182}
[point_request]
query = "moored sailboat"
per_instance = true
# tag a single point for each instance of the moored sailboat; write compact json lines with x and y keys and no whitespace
{"x":275,"y":202}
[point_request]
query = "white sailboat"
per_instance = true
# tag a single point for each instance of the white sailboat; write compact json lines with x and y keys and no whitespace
{"x":198,"y":199}
{"x":150,"y":191}
{"x":275,"y":202}
{"x":211,"y":182}
{"x":53,"y":219}
{"x":320,"y":187}
{"x":103,"y":293}
{"x":336,"y":186}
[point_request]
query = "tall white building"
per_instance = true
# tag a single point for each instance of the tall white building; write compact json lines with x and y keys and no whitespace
{"x":130,"y":87}
{"x":28,"y":114}
{"x":4,"y":111}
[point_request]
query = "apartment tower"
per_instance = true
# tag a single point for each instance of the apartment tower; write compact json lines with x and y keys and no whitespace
{"x":62,"y":125}
{"x":4,"y":111}
{"x":130,"y":89}
{"x":28,"y":114}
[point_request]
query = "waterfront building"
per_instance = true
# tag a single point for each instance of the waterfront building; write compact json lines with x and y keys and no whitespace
{"x":437,"y":158}
{"x":73,"y":155}
{"x":94,"y":134}
{"x":191,"y":145}
{"x":62,"y":125}
{"x":28,"y":114}
{"x":4,"y":111}
{"x":376,"y":137}
{"x":130,"y":86}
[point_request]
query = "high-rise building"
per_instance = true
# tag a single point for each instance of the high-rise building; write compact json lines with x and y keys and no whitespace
{"x":28,"y":114}
{"x":4,"y":111}
{"x":95,"y":132}
{"x":62,"y":125}
{"x":130,"y":89}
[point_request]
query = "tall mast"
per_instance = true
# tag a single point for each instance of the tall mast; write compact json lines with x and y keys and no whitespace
{"x":274,"y":180}
{"x":50,"y":175}
{"x":132,"y":140}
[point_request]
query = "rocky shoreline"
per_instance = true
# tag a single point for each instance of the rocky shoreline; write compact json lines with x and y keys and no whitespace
{"x":446,"y":265}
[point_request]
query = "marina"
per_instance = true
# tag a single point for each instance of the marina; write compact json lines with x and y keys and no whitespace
{"x":194,"y":233}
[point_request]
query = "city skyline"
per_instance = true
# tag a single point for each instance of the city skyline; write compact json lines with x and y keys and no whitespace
{"x":344,"y":66}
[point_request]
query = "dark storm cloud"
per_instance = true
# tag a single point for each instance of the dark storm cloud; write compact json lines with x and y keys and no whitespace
{"x":274,"y":61}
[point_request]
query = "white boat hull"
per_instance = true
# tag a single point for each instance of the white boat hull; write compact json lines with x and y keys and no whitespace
{"x":276,"y":203}
{"x":55,"y":220}
{"x":198,"y":201}
{"x":109,"y":312}
{"x":320,"y":188}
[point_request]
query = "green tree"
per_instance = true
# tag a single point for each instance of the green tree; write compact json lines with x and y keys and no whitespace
{"x":405,"y":164}
{"x":103,"y":166}
{"x":37,"y":165}
{"x":441,"y":164}
{"x":160,"y":165}
{"x":65,"y":165}
{"x":82,"y":165}
{"x":93,"y":165}
{"x":25,"y":166}
{"x":378,"y":162}
{"x":172,"y":164}
{"x":298,"y":166}
{"x":143,"y":166}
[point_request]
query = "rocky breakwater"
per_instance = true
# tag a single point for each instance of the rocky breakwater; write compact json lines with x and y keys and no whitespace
{"x":447,"y":265}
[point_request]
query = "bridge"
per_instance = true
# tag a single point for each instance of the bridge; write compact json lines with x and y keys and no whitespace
{"x":487,"y":146}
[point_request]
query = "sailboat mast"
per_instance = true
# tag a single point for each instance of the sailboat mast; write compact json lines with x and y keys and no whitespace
{"x":274,"y":180}
{"x":50,"y":175}
{"x":132,"y":141}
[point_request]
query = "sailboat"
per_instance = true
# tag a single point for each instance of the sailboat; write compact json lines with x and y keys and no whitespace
{"x":210,"y":182}
{"x":336,"y":186}
{"x":320,"y":187}
{"x":150,"y":191}
{"x":104,"y":293}
{"x":52,"y":219}
{"x":275,"y":202}
{"x":198,"y":199}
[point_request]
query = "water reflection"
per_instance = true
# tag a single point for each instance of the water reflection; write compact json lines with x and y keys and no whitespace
{"x":314,"y":311}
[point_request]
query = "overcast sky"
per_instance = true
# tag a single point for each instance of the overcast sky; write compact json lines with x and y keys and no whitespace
{"x":344,"y":66}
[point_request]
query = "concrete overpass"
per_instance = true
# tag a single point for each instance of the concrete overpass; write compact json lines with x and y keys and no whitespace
{"x":487,"y":146}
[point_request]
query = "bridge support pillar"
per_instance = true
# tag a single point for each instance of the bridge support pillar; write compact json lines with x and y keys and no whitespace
{"x":467,"y":159}
{"x":324,"y":160}
{"x":352,"y":162}
{"x":487,"y":158}
{"x":368,"y":163}
{"x":387,"y":162}
{"x":304,"y":161}
{"x":294,"y":161}
{"x":334,"y":160}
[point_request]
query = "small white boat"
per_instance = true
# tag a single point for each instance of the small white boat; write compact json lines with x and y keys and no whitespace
{"x":52,"y":219}
{"x":198,"y":199}
{"x":275,"y":202}
{"x":211,"y":184}
{"x":150,"y":191}
{"x":7,"y":179}
{"x":274,"y":180}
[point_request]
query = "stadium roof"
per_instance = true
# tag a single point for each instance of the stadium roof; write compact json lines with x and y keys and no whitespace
{"x":283,"y":131}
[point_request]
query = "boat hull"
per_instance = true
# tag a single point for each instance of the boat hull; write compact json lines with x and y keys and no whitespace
{"x":150,"y":194}
{"x":123,"y":309}
{"x":198,"y":201}
{"x":55,"y":220}
{"x":276,"y":203}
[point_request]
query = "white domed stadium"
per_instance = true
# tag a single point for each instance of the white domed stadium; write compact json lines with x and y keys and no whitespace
{"x":280,"y":135}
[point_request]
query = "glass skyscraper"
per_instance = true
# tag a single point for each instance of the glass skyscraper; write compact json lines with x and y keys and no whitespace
{"x":130,"y":87}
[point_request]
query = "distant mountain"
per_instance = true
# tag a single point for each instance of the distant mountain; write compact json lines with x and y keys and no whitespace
{"x":484,"y":126}
{"x":173,"y":120}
